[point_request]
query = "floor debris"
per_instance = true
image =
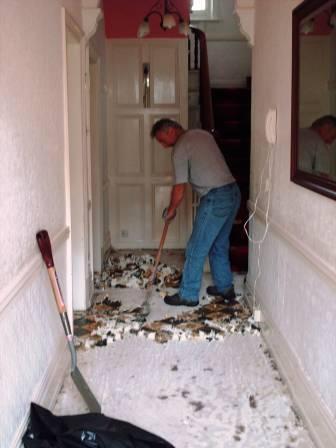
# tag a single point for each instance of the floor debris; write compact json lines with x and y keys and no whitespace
{"x":133,"y":271}
{"x":107,"y":321}
{"x":202,"y":378}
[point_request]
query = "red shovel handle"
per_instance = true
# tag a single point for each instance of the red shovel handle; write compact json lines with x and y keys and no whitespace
{"x":43,"y":242}
{"x":158,"y":255}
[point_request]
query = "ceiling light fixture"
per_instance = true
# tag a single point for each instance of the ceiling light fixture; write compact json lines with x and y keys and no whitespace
{"x":166,"y":10}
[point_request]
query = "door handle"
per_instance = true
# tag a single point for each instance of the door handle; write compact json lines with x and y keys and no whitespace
{"x":146,"y":85}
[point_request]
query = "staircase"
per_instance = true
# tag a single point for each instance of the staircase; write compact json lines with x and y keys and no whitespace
{"x":232,"y":116}
{"x":194,"y":117}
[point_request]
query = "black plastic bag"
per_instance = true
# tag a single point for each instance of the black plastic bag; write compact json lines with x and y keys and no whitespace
{"x":47,"y":430}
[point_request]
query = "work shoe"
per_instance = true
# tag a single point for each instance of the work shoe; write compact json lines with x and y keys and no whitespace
{"x":176,"y":300}
{"x":229,"y":296}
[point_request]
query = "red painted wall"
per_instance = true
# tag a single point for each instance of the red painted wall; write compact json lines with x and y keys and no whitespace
{"x":123,"y":17}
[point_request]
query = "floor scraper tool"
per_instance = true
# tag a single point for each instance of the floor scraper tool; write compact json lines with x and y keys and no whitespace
{"x":149,"y":286}
{"x":43,"y":242}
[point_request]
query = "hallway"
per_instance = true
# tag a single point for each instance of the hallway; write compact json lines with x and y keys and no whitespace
{"x":70,"y":166}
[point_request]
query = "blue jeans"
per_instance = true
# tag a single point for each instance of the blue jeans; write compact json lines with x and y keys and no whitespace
{"x":210,"y":236}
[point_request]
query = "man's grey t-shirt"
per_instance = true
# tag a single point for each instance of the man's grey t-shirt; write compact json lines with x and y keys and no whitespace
{"x":198,"y":160}
{"x":315,"y":156}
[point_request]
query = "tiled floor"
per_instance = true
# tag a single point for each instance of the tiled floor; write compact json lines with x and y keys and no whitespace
{"x":197,"y":377}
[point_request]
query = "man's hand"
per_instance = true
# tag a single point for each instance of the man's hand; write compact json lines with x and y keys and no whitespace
{"x":169,"y":214}
{"x":176,"y":197}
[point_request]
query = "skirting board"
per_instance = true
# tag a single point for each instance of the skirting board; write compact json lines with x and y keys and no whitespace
{"x":319,"y":421}
{"x":46,"y":392}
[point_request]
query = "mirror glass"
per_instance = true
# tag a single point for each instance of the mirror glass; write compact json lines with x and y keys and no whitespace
{"x":314,"y":96}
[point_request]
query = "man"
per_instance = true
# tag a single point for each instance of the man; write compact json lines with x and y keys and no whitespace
{"x":315,"y":152}
{"x":197,"y":160}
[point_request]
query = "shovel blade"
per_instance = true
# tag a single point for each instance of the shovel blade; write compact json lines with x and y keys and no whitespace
{"x":85,"y":391}
{"x":146,"y":303}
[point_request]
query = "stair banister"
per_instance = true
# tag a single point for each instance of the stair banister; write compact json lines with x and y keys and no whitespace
{"x":201,"y":52}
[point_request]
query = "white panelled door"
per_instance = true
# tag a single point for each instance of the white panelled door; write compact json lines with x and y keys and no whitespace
{"x":147,"y":81}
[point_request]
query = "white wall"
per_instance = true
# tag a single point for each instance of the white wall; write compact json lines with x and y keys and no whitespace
{"x":297,"y":286}
{"x":228,"y":51}
{"x":32,"y":197}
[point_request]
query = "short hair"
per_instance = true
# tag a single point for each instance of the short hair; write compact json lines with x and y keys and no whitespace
{"x":164,"y":124}
{"x":322,"y":121}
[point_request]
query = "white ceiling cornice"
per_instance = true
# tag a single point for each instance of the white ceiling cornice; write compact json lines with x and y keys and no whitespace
{"x":91,"y":15}
{"x":245,"y":9}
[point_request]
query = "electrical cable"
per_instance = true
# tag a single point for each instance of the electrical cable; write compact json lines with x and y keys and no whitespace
{"x":268,"y":163}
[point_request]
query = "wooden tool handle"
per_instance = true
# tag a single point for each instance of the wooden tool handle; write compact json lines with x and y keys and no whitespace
{"x":163,"y":238}
{"x":56,"y":290}
{"x":158,"y":255}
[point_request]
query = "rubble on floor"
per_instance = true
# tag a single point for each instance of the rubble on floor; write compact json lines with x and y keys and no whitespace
{"x":108,"y":320}
{"x":105,"y":323}
{"x":133,"y":271}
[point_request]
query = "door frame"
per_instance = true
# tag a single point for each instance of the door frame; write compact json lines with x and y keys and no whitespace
{"x":95,"y":150}
{"x":75,"y":165}
{"x":88,"y":172}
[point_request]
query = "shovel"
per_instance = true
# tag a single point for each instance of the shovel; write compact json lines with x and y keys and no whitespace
{"x":43,"y":242}
{"x":145,"y":305}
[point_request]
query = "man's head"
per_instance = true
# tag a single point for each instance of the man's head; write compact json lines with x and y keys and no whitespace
{"x":326,"y":128}
{"x":166,"y":132}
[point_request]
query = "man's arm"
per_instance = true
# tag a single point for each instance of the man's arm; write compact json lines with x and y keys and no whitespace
{"x":176,"y":197}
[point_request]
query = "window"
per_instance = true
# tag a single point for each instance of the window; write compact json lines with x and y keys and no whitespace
{"x":203,"y":10}
{"x":199,"y":5}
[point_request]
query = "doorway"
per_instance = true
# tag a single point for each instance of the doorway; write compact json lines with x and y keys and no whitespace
{"x":79,"y":269}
